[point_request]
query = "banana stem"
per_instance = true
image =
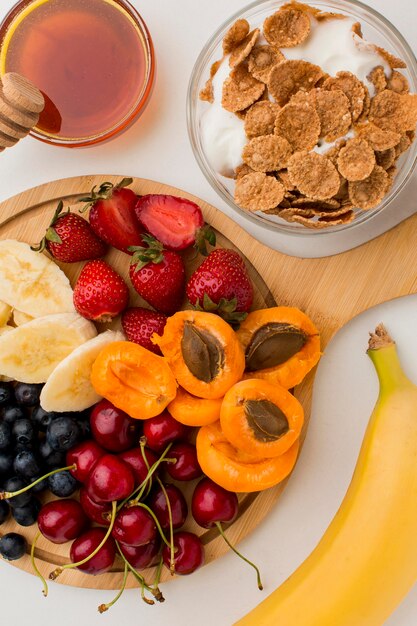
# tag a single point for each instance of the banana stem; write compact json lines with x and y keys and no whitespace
{"x":383,"y":353}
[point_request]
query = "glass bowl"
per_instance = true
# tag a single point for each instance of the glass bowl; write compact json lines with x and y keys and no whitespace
{"x":88,"y":82}
{"x":376,"y":29}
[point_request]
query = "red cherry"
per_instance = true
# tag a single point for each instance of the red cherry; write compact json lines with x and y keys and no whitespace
{"x":110,"y":479}
{"x":112,"y":428}
{"x":189,"y":553}
{"x":186,"y":466}
{"x":162,"y":430}
{"x":211,"y":503}
{"x":141,"y":556}
{"x":179,"y":508}
{"x":95,"y":511}
{"x":86,"y":544}
{"x":134,"y":526}
{"x":85,"y":455}
{"x":134,"y":458}
{"x":62,"y":520}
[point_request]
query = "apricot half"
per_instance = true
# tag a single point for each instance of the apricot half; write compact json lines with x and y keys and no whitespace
{"x":261,"y":419}
{"x":203,"y":352}
{"x":193,"y":411}
{"x":134,"y":379}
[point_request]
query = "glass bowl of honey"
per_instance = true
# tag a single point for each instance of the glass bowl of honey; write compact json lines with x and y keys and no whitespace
{"x":93,"y":61}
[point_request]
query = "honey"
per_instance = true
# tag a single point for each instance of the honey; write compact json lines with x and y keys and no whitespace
{"x":90,"y":58}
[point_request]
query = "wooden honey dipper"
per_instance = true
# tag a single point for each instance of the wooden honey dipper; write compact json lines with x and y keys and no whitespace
{"x":20,"y":105}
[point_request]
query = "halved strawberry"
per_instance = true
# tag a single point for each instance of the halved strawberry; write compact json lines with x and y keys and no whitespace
{"x":69,"y":238}
{"x":100,"y":293}
{"x":176,"y":222}
{"x":112,"y":214}
{"x":140,"y":324}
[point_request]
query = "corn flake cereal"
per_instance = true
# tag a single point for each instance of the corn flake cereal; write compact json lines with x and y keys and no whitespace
{"x":241,"y":89}
{"x":242,"y":51}
{"x":386,"y":158}
{"x":267,"y":153}
{"x":260,"y":119}
{"x":299,"y":124}
{"x":288,"y":77}
{"x":314,"y":175}
{"x":391,"y":59}
{"x":398,"y":82}
{"x":378,"y":79}
{"x":243,"y":170}
{"x":353,"y":89}
{"x":261,"y":60}
{"x":378,"y":138}
{"x":287,"y":28}
{"x":258,"y":192}
{"x":394,"y":111}
{"x":368,"y":193}
{"x":356,"y":160}
{"x":235,"y":35}
{"x":333,"y":110}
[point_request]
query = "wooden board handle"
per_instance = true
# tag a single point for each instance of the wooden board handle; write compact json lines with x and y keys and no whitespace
{"x":20,"y":105}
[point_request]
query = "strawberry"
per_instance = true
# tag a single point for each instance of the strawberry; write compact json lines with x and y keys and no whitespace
{"x":69,"y":238}
{"x":176,"y":222}
{"x":100,"y":293}
{"x":140,"y":324}
{"x":158,"y":275}
{"x":221,"y":285}
{"x":112,"y":215}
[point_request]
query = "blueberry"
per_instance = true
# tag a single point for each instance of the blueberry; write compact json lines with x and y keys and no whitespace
{"x":23,"y":431}
{"x":26,"y":464}
{"x":62,"y":484}
{"x":51,"y":458}
{"x":6,"y":393}
{"x":63,"y":433}
{"x":12,"y":546}
{"x":22,"y":447}
{"x":42,"y":418}
{"x":26,"y":394}
{"x":12,"y":413}
{"x":6,"y":462}
{"x":39,"y":487}
{"x":5,"y":436}
{"x":4,"y":511}
{"x":27,"y":515}
{"x":15,"y":483}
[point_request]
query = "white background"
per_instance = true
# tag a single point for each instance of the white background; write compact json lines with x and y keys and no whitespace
{"x":157,"y":147}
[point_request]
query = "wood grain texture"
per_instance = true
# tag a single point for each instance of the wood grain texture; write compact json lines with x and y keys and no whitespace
{"x":330,"y":290}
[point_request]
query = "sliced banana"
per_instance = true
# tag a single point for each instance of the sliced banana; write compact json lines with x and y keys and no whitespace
{"x":69,"y":388}
{"x":20,"y":318}
{"x":5,"y":329}
{"x":32,"y":283}
{"x":31,"y":352}
{"x":5,"y":313}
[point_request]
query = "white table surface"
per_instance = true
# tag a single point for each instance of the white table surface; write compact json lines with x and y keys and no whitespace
{"x":157,"y":147}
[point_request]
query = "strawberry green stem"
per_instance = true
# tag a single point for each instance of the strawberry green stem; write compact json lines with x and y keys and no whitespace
{"x":171,"y":529}
{"x":105,"y":607}
{"x":13,"y":494}
{"x":258,"y":574}
{"x":35,"y":568}
{"x":58,"y":571}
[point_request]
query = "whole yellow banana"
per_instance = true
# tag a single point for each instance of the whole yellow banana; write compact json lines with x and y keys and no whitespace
{"x":366,"y":561}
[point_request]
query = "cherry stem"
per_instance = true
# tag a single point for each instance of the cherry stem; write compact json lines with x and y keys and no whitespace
{"x":58,"y":571}
{"x":138,"y":492}
{"x":105,"y":607}
{"x":13,"y":494}
{"x":154,"y":591}
{"x":171,"y":529}
{"x":258,"y":574}
{"x":142,"y":444}
{"x":35,"y":568}
{"x":155,"y":519}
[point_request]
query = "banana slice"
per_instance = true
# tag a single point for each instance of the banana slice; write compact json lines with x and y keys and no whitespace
{"x":20,"y":318}
{"x":5,"y":313}
{"x":69,"y":388}
{"x":30,"y":353}
{"x":5,"y":329}
{"x":32,"y":283}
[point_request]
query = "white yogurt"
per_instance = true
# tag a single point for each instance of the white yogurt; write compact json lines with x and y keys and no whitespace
{"x":331,"y":45}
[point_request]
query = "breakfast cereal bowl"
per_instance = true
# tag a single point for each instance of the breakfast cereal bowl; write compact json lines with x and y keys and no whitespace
{"x":376,"y":30}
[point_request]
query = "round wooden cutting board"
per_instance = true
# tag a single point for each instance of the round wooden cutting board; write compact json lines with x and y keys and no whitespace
{"x":330,"y":290}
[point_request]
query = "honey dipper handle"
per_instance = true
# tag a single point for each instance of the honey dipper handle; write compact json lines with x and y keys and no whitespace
{"x":20,"y":105}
